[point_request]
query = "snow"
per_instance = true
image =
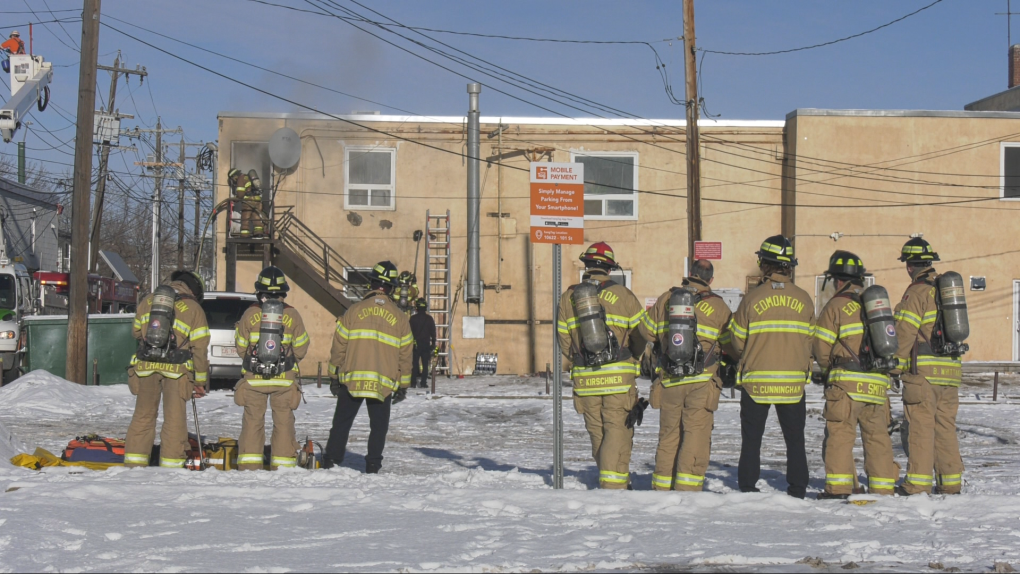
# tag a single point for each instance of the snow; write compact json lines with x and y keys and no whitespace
{"x":466,"y":487}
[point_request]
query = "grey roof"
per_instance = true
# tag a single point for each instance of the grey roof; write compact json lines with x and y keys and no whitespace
{"x":902,"y":114}
{"x":119,"y":267}
{"x":44,"y":198}
{"x":1008,"y":100}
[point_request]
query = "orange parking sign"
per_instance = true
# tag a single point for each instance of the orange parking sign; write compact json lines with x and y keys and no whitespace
{"x":557,"y":203}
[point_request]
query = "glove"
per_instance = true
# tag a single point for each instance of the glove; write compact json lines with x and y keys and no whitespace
{"x":400,"y":395}
{"x":334,"y":387}
{"x":637,"y":414}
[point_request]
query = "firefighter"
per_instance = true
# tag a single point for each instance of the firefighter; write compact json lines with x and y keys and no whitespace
{"x":855,"y":391}
{"x":171,"y":364}
{"x":423,"y":327}
{"x":248,"y":196}
{"x":598,"y":330}
{"x":272,"y":339}
{"x":771,"y":335}
{"x":406,"y":292}
{"x":687,"y":398}
{"x":370,"y":362}
{"x":14,"y":44}
{"x":930,"y":382}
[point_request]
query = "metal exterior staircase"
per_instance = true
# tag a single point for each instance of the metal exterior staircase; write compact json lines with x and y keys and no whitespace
{"x":439,"y":284}
{"x":310,"y":261}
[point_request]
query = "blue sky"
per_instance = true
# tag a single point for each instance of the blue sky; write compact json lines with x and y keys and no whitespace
{"x":942,"y":58}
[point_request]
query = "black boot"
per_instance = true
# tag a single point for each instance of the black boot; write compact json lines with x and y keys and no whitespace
{"x":796,"y":492}
{"x":372,"y":467}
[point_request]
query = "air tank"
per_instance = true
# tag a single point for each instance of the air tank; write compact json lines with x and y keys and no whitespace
{"x":161,"y":317}
{"x":955,"y":324}
{"x":682,"y":334}
{"x":590,"y":325}
{"x":881,"y":322}
{"x":270,"y":349}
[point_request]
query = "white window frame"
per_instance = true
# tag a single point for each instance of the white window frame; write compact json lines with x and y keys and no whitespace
{"x":392,"y":185}
{"x":574,"y":154}
{"x":349,"y":293}
{"x":627,"y":273}
{"x":1002,"y":170}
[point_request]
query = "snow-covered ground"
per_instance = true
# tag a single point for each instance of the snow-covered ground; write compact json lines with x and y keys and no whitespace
{"x":465,"y":486}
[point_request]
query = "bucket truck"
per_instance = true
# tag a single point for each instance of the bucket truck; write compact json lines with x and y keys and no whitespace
{"x":30,"y":79}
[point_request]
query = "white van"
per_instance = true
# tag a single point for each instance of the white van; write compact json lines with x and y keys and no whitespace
{"x":223,"y":310}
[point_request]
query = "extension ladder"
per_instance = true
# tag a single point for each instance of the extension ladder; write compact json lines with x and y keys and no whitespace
{"x":438,"y":284}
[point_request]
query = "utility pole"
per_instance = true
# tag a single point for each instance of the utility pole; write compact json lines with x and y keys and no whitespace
{"x":157,"y":208}
{"x":104,"y":157}
{"x":77,"y":323}
{"x":693,"y":137}
{"x":180,"y":209}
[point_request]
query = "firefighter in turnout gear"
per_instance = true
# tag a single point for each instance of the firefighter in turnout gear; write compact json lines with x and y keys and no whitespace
{"x":248,"y":196}
{"x":370,"y":362}
{"x":272,"y":339}
{"x":930,"y":381}
{"x":855,"y":391}
{"x":171,"y":364}
{"x":687,"y":401}
{"x":598,"y":330}
{"x":771,"y":334}
{"x":406,"y":291}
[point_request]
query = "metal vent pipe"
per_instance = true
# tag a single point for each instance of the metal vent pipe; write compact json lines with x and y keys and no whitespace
{"x":473,"y":293}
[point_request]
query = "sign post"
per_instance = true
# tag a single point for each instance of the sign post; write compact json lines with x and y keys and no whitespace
{"x":557,"y":217}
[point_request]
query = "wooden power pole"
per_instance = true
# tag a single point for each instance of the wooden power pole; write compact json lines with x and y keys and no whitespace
{"x":77,"y":324}
{"x":693,"y":137}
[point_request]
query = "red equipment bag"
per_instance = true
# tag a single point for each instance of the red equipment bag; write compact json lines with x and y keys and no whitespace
{"x":94,"y":448}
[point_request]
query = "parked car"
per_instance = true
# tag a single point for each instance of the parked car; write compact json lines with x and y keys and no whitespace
{"x":224,"y":310}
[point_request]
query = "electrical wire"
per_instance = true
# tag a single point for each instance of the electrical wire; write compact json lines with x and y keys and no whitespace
{"x":823,"y":44}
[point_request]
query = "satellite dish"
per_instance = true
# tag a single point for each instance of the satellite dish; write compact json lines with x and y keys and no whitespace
{"x":285,"y":149}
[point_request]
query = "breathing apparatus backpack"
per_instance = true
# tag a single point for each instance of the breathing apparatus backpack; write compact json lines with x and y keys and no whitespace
{"x":599,"y":344}
{"x":683,"y":356}
{"x":879,"y":345}
{"x":267,"y":358}
{"x":952,"y":325}
{"x":159,"y":343}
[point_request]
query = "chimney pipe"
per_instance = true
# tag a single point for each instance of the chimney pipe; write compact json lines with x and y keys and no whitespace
{"x":1014,"y":65}
{"x":473,"y":293}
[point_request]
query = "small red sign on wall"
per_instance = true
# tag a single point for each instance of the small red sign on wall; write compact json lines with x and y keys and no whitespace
{"x":708,"y":250}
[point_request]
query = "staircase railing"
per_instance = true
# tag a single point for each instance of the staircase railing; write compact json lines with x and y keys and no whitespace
{"x":292,"y":233}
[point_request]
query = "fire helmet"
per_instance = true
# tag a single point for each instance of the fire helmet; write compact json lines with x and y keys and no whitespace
{"x":845,"y":266}
{"x":777,"y":249}
{"x":272,"y":281}
{"x":384,"y":272}
{"x":600,"y":253}
{"x":918,"y":250}
{"x":192,"y":280}
{"x":420,"y":304}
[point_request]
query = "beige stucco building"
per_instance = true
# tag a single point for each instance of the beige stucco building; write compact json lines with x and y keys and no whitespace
{"x":868,"y":179}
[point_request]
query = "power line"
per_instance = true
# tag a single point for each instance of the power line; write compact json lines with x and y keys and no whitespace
{"x":823,"y":44}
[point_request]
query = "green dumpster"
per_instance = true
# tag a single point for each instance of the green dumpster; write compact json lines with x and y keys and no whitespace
{"x":110,"y":342}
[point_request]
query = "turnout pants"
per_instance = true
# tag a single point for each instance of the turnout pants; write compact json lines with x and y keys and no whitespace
{"x":842,"y":416}
{"x":931,"y":417}
{"x":347,"y":408}
{"x":251,"y":216}
{"x":686,"y":417}
{"x":611,"y":441}
{"x":420,"y":366}
{"x":173,"y":437}
{"x":251,"y":446}
{"x":753,"y":417}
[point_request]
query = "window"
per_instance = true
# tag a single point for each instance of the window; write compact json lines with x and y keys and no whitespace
{"x":368,"y":177}
{"x":1009,"y":171}
{"x":8,"y":292}
{"x":620,"y":276}
{"x":611,"y":183}
{"x":822,"y":296}
{"x":356,"y":282}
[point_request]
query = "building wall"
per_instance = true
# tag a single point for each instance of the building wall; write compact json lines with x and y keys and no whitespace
{"x":925,"y":159}
{"x":742,"y":167}
{"x":19,"y":206}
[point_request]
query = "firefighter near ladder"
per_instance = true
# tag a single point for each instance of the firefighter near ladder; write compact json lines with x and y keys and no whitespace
{"x":932,"y":325}
{"x":370,"y":362}
{"x":771,"y":334}
{"x":171,"y":365}
{"x":271,"y":337}
{"x":598,"y":330}
{"x":247,"y":190}
{"x":855,"y":344}
{"x":686,"y":323}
